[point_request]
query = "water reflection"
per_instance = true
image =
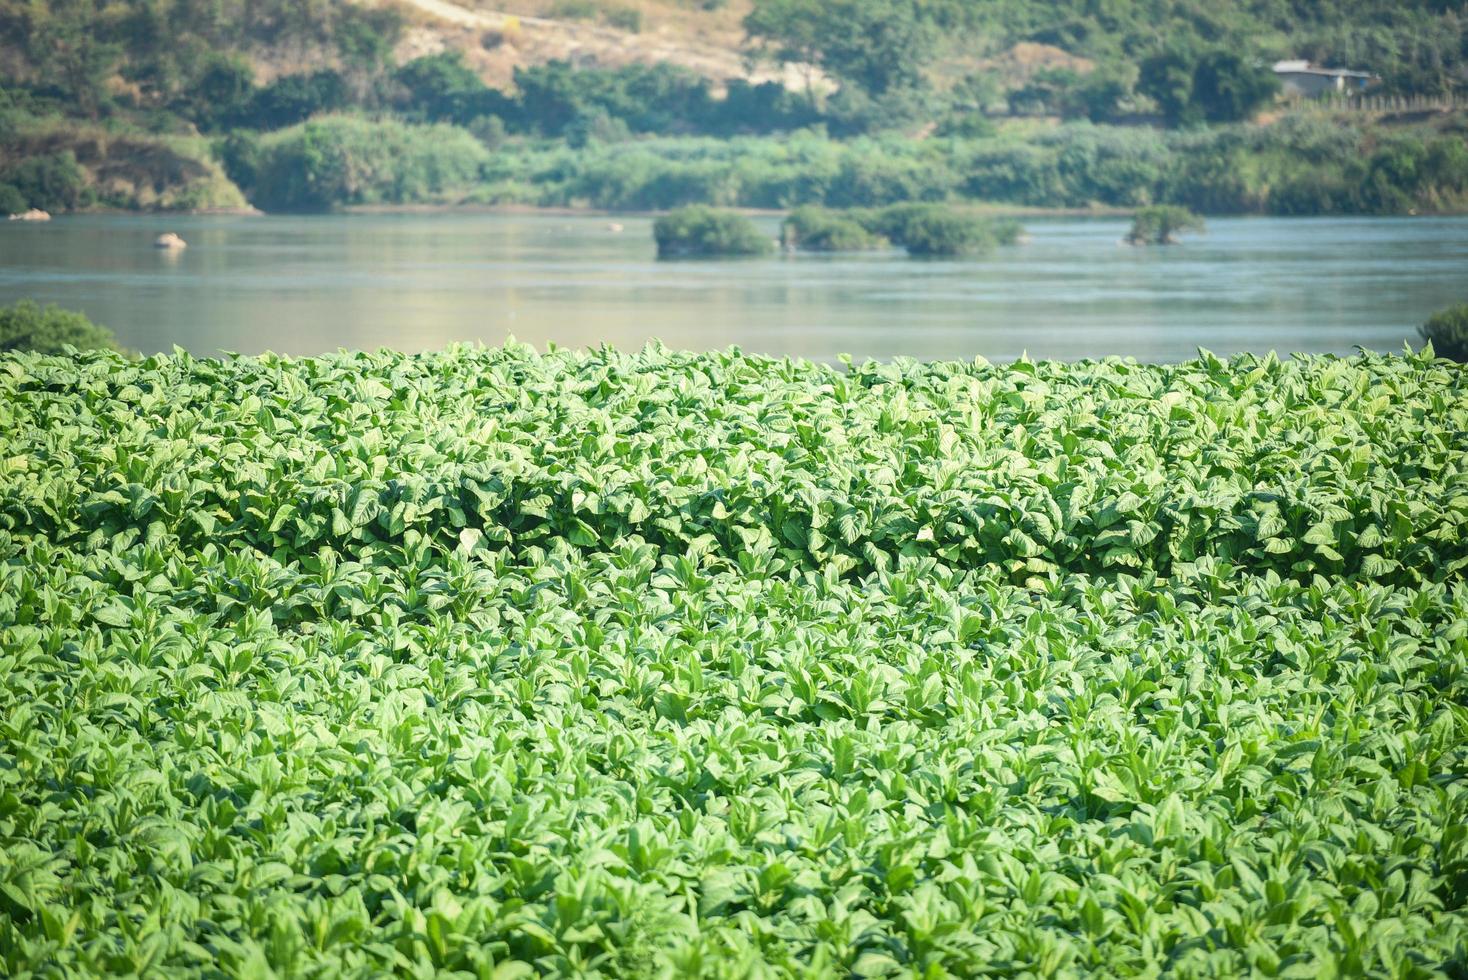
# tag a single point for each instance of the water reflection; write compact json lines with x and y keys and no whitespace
{"x":307,"y":284}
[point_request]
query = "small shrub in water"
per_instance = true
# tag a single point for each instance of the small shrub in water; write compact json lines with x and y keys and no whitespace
{"x":1160,"y":224}
{"x":934,"y":230}
{"x":699,"y":232}
{"x":818,"y":229}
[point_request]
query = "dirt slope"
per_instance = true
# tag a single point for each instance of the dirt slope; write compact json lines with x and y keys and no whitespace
{"x":496,"y":41}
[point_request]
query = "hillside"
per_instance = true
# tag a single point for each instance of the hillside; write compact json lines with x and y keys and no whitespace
{"x":152,"y":104}
{"x":498,"y":40}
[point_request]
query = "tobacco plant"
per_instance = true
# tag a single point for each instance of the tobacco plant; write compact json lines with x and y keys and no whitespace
{"x":489,"y":663}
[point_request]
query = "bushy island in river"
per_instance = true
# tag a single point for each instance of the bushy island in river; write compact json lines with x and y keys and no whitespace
{"x":924,"y":230}
{"x":699,"y":232}
{"x":1161,"y":224}
{"x":501,"y":664}
{"x":1049,"y":104}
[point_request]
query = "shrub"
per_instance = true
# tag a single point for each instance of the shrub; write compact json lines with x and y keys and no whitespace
{"x":931,"y":230}
{"x":968,"y":125}
{"x":700,"y":231}
{"x":821,"y":230}
{"x":490,"y":131}
{"x":339,"y":160}
{"x":442,"y":87}
{"x":293,"y":98}
{"x":1160,"y":224}
{"x":1447,"y":331}
{"x":627,"y":19}
{"x":1006,"y":231}
{"x":47,"y":330}
{"x":573,"y":10}
{"x":12,"y":201}
{"x":939,"y":232}
{"x":51,"y":181}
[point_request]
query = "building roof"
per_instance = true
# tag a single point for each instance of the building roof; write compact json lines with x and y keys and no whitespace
{"x":1305,"y":68}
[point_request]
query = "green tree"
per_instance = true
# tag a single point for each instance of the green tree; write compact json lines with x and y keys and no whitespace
{"x":366,"y":35}
{"x":222,"y":93}
{"x":67,"y":41}
{"x":1214,"y":86}
{"x":12,"y":201}
{"x":440,"y":87}
{"x":50,"y":181}
{"x":1231,"y":88}
{"x":293,"y":98}
{"x":875,"y":44}
{"x":1167,"y":78}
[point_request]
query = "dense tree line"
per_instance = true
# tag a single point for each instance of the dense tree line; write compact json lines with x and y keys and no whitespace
{"x":176,"y":54}
{"x":1305,"y":167}
{"x":1185,"y":61}
{"x":360,"y":127}
{"x":1192,"y":61}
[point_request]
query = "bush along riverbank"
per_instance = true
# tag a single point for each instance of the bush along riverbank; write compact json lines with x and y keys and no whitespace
{"x":1301,"y":165}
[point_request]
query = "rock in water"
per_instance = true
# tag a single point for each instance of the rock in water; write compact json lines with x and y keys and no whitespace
{"x":169,"y":240}
{"x":34,"y":214}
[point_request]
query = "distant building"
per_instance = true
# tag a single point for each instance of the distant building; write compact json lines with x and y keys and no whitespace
{"x":1302,"y":80}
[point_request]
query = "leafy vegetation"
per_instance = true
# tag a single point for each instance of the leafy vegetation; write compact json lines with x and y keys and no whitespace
{"x":186,"y":57}
{"x":816,"y":229}
{"x":922,"y":229}
{"x":1160,"y":224}
{"x":1187,"y":62}
{"x":936,"y":230}
{"x":12,"y":201}
{"x":26,"y":326}
{"x":1447,"y":331}
{"x":715,"y":665}
{"x":897,"y":62}
{"x":337,"y":160}
{"x":128,"y":85}
{"x":59,"y":166}
{"x":699,"y":232}
{"x":1214,"y":86}
{"x":1306,"y":166}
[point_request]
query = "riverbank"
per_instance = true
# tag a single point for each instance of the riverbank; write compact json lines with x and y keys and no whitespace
{"x":1298,"y":165}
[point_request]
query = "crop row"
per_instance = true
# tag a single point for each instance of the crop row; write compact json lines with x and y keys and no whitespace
{"x":496,"y":664}
{"x":1296,"y":467}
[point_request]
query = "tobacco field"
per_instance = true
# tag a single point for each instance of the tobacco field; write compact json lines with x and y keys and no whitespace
{"x":492,"y":663}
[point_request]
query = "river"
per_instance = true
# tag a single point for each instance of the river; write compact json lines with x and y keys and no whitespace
{"x":302,"y":285}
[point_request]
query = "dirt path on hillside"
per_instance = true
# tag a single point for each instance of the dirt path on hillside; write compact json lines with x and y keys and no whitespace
{"x":523,"y":40}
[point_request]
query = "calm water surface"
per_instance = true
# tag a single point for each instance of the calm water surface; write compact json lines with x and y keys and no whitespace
{"x":302,"y":285}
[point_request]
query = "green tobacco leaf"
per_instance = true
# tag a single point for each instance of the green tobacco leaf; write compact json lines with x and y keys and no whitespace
{"x":494,"y":663}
